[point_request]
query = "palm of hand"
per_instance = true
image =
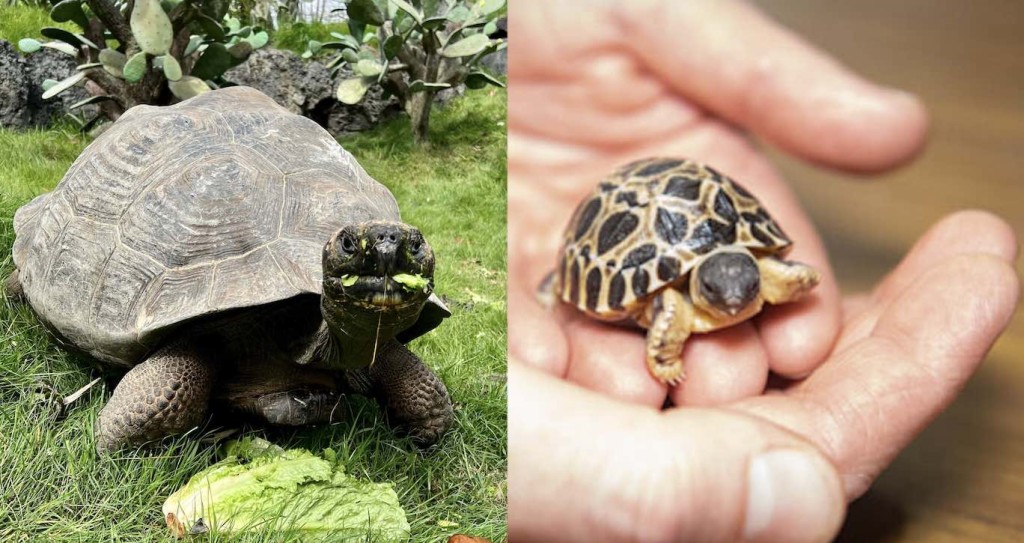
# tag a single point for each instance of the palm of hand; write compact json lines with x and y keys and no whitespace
{"x":554,"y":165}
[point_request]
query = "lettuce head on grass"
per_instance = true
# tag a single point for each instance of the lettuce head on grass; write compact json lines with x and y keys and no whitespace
{"x":262,"y":487}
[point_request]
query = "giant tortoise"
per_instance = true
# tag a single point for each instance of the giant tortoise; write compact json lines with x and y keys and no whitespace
{"x":232,"y":257}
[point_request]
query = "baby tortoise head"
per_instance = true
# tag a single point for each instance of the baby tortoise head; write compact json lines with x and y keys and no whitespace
{"x":726,"y":282}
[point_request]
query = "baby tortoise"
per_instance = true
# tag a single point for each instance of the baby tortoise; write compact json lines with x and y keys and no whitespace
{"x":632,"y":244}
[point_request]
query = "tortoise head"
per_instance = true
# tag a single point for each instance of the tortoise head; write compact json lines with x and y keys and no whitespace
{"x":377,"y":275}
{"x":725,"y":282}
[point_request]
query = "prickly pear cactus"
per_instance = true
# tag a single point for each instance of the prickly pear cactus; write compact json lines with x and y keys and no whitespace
{"x":417,"y":49}
{"x":130,"y":52}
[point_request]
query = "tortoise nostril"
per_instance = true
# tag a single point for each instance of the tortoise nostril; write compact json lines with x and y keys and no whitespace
{"x":392,"y":238}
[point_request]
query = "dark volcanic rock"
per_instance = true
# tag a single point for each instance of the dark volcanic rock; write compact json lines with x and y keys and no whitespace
{"x":283,"y":76}
{"x":307,"y":88}
{"x":51,"y":64}
{"x":13,"y":88}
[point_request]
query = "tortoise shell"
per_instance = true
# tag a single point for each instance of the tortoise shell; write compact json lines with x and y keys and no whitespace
{"x":220,"y":202}
{"x":646,"y":226}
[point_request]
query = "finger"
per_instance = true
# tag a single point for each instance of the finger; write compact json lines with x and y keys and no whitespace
{"x":534,"y":335}
{"x":610,"y":359}
{"x":583,"y":467}
{"x":722,"y":367}
{"x":866,"y":404}
{"x":960,"y":233}
{"x":763,"y":77}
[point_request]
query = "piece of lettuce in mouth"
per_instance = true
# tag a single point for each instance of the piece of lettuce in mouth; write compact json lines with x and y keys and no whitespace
{"x":263,"y":488}
{"x":412,"y":282}
{"x":349,"y":280}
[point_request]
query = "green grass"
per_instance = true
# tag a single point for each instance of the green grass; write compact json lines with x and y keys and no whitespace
{"x":23,"y":21}
{"x":54,"y":488}
{"x":295,"y":37}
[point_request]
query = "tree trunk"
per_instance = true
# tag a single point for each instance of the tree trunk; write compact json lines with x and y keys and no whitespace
{"x":418,"y":108}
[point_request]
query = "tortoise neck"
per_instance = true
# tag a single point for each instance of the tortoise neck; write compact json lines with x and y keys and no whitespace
{"x":349,"y":336}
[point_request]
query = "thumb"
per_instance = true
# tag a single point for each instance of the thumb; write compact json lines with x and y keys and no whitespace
{"x":583,"y":467}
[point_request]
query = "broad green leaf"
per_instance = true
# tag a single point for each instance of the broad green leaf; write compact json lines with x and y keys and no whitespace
{"x":113,"y":62}
{"x":368,"y":68}
{"x":214,"y":61}
{"x":480,"y":79}
{"x":151,"y":27}
{"x":64,"y":85}
{"x":135,"y":68}
{"x":70,"y":10}
{"x":188,"y":86}
{"x":365,"y":11}
{"x":193,"y":44}
{"x":434,"y":23}
{"x":420,"y":86}
{"x":211,"y":28}
{"x":350,"y":56}
{"x":258,"y":39}
{"x":62,"y":47}
{"x":77,"y":40}
{"x":351,"y":91}
{"x":467,"y":46}
{"x":392,"y":46}
{"x":172,"y":70}
{"x":90,"y":100}
{"x":29,"y":45}
{"x":408,"y":8}
{"x":47,"y":84}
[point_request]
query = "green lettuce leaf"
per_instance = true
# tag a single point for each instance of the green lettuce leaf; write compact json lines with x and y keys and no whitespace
{"x":261,"y":487}
{"x":411,"y":282}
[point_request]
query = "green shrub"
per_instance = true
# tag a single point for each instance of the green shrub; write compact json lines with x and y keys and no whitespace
{"x":414,"y":50}
{"x":145,"y":51}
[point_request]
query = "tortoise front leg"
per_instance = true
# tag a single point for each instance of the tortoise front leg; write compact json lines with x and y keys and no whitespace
{"x":167,"y":394}
{"x":783,"y":282}
{"x":416,"y":401}
{"x":13,"y":289}
{"x":670,"y":316}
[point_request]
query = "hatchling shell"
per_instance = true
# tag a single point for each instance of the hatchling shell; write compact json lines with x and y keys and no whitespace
{"x":220,"y":202}
{"x":646,"y":225}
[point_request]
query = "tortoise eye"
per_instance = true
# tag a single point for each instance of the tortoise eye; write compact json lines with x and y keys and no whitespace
{"x":347,"y":245}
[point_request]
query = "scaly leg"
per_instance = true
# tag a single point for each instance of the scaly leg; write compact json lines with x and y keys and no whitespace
{"x":13,"y":289}
{"x":671,"y":318}
{"x":415,"y":399}
{"x":783,"y":282}
{"x":165,"y":395}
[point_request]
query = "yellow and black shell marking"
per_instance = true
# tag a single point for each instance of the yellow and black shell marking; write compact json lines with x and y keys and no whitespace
{"x":645,"y":227}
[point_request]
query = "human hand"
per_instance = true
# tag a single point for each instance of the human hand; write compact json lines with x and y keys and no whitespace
{"x":597,"y":84}
{"x":781,"y":466}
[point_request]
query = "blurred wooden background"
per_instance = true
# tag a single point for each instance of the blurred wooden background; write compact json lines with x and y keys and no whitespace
{"x":963,"y":479}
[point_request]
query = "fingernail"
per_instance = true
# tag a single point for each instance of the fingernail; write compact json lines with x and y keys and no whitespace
{"x":794,"y":495}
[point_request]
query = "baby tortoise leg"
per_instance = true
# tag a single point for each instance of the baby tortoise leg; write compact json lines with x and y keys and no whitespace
{"x":671,"y":318}
{"x":783,"y":282}
{"x":165,"y":395}
{"x":416,"y":401}
{"x":13,"y":289}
